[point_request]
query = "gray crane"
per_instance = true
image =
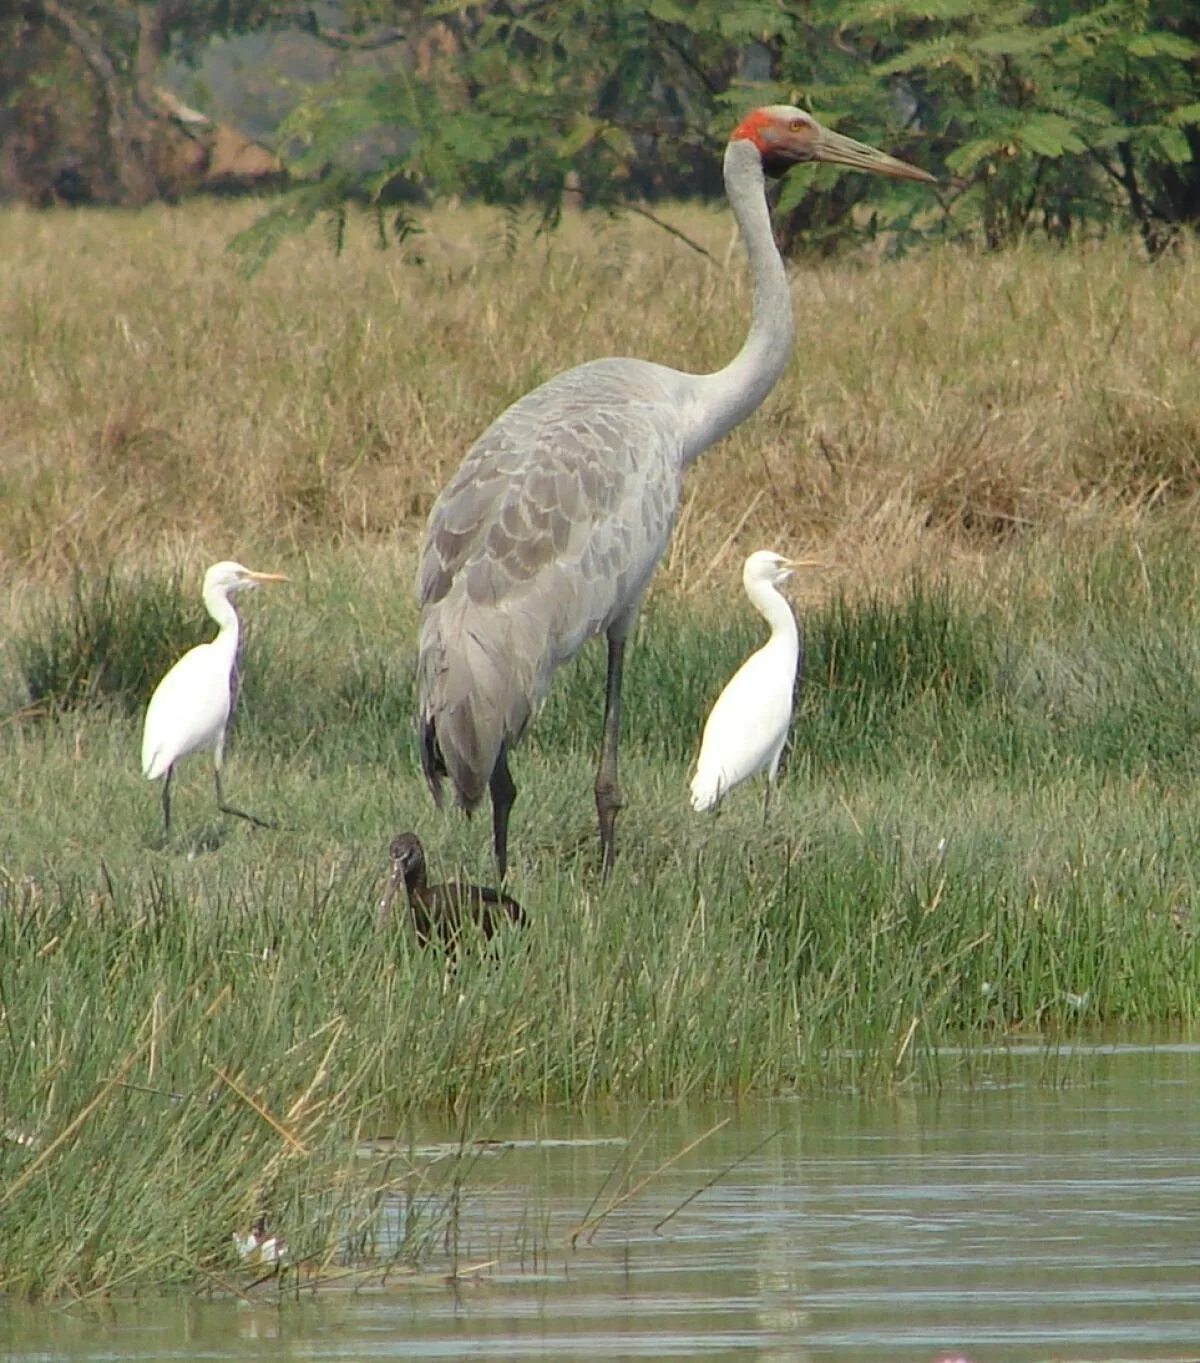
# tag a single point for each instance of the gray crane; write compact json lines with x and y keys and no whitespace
{"x":551,"y":528}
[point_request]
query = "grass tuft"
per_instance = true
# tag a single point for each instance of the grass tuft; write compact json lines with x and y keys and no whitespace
{"x":107,"y":640}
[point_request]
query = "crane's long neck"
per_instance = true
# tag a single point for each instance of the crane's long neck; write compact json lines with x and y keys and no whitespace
{"x":719,"y":401}
{"x":766,"y":599}
{"x":219,"y":606}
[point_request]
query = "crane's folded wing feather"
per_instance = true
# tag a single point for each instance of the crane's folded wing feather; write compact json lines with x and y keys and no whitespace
{"x":546,"y":535}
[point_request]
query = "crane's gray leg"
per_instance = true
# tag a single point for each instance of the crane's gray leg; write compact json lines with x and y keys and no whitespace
{"x":503,"y":793}
{"x":608,"y":790}
{"x":240,"y":813}
{"x":166,"y":798}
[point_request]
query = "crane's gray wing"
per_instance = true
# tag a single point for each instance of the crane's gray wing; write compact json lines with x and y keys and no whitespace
{"x":546,"y":535}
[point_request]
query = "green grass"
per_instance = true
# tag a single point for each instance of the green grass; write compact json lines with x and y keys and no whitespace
{"x":103,"y":638}
{"x":986,"y":825}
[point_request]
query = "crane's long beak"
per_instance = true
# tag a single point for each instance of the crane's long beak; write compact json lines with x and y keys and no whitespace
{"x":845,"y":151}
{"x":266,"y":577}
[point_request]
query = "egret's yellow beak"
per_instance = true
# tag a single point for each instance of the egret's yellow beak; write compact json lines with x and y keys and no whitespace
{"x":266,"y":577}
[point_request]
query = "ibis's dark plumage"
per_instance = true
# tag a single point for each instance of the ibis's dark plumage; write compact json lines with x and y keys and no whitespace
{"x":440,"y":912}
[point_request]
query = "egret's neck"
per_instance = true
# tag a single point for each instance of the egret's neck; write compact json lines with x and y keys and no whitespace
{"x":221,"y":609}
{"x":723,"y":399}
{"x":766,"y":599}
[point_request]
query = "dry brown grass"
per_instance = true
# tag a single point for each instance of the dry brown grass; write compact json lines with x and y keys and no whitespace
{"x":155,"y":406}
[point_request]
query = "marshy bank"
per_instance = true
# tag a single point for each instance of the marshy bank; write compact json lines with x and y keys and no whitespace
{"x":985,"y":828}
{"x":1046,"y":1215}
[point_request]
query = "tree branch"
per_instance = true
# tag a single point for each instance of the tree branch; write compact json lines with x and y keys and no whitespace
{"x":666,"y":227}
{"x":686,"y":59}
{"x":357,"y":42}
{"x":137,"y":183}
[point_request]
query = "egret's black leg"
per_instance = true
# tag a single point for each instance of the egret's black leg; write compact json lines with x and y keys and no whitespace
{"x":504,"y":794}
{"x":166,"y":798}
{"x":608,"y":790}
{"x":240,"y":813}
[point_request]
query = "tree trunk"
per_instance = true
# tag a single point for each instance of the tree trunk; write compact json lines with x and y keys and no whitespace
{"x":151,"y":46}
{"x":129,"y":129}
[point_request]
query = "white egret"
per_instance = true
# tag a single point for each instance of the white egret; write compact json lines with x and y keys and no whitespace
{"x":747,"y":727}
{"x":189,"y":710}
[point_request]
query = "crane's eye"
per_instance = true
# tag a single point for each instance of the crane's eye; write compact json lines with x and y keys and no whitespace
{"x":799,"y":124}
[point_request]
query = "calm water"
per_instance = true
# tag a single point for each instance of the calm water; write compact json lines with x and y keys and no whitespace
{"x":1023,"y":1221}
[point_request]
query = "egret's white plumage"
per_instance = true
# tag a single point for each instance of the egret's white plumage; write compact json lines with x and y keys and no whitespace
{"x":189,"y":710}
{"x":747,"y":727}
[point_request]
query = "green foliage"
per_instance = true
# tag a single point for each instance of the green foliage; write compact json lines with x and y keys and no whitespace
{"x":1054,"y":116}
{"x":293,"y":213}
{"x":1048,"y":115}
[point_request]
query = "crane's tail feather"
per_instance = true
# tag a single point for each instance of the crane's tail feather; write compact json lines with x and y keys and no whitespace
{"x":433,"y":764}
{"x":476,"y":690}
